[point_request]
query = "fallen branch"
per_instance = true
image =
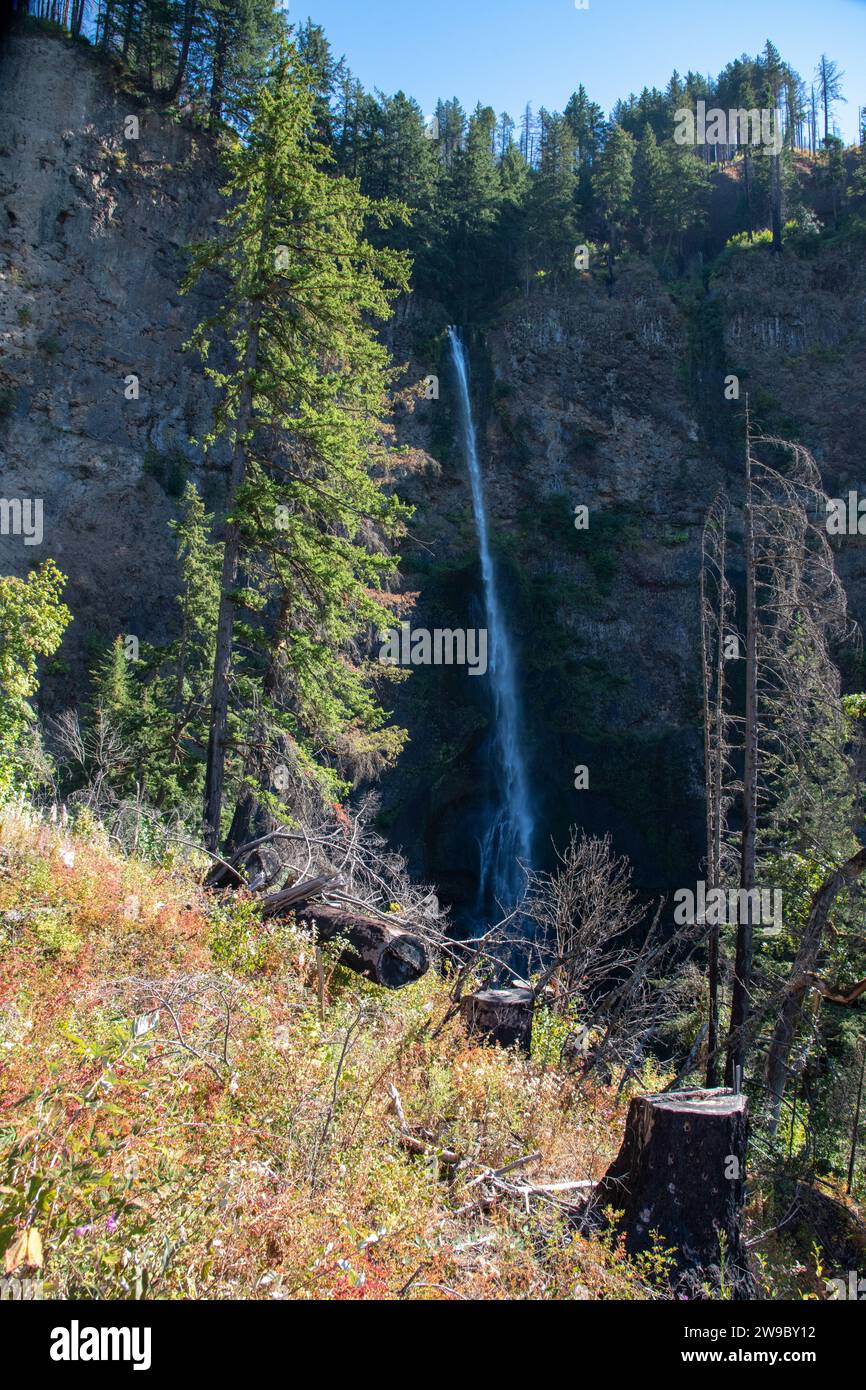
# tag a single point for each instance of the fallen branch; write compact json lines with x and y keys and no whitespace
{"x":835,"y":996}
{"x":276,"y":903}
{"x":427,"y":1149}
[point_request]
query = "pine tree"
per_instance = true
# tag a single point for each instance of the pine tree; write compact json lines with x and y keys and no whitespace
{"x":551,"y":226}
{"x":685,"y":191}
{"x":112,"y":687}
{"x":192,"y":655}
{"x":472,"y":197}
{"x":301,"y":408}
{"x":586,"y":119}
{"x":613,"y":184}
{"x":238,"y":36}
{"x":649,"y":183}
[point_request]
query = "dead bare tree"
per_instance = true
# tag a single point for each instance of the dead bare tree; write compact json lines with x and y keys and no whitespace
{"x":792,"y":720}
{"x":189,"y":1016}
{"x":717,"y":602}
{"x":740,"y":996}
{"x":603,"y":964}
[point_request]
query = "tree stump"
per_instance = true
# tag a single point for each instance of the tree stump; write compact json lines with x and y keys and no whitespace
{"x":681,"y":1172}
{"x":500,"y":1016}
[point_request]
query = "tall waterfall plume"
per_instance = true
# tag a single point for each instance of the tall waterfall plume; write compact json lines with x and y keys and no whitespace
{"x":506,"y":839}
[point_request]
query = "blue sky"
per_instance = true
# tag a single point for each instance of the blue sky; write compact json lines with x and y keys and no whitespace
{"x":508,"y":52}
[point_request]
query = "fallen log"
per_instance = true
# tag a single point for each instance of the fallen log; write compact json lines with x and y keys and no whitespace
{"x":385,"y":954}
{"x":838,"y":1230}
{"x":301,"y":892}
{"x":681,"y":1172}
{"x":500,"y":1016}
{"x":252,"y":866}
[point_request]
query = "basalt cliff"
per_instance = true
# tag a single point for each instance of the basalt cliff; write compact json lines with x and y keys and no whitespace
{"x":610,"y":398}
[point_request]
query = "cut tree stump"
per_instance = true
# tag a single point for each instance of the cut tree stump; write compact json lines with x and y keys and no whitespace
{"x":681,"y":1172}
{"x":387,"y":955}
{"x":500,"y":1016}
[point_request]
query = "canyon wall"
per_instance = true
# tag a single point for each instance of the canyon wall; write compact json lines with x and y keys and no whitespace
{"x":613,"y":401}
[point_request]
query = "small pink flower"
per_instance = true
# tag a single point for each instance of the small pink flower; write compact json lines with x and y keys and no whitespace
{"x":111,"y":1225}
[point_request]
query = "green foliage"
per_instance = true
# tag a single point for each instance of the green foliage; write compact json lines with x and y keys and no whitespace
{"x":32,"y":622}
{"x":237,"y":938}
{"x":649,"y":172}
{"x":146,"y":725}
{"x":743,"y":241}
{"x":302,"y":406}
{"x":613,"y":182}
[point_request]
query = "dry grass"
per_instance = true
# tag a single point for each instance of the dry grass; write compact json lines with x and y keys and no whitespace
{"x":174,"y":1127}
{"x":179,"y":1118}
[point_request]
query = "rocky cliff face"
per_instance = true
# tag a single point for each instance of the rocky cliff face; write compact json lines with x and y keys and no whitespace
{"x":616,"y":402}
{"x":609,"y":401}
{"x":581,"y":401}
{"x":92,"y":227}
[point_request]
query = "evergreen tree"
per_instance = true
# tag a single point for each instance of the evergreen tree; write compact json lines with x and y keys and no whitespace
{"x":238,"y":37}
{"x":551,"y":225}
{"x":586,"y":119}
{"x":325,"y":72}
{"x":472,"y":195}
{"x":301,"y":407}
{"x":613,"y":185}
{"x":147,"y":722}
{"x":684,"y":193}
{"x":649,"y":183}
{"x":450,"y":129}
{"x":504,"y":135}
{"x":191,"y":657}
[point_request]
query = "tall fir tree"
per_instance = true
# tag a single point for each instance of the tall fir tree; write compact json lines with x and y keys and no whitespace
{"x":613,"y":185}
{"x":301,"y":407}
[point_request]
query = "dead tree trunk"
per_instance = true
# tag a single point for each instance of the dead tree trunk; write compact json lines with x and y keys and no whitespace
{"x":681,"y":1172}
{"x":501,"y":1016}
{"x":741,"y":996}
{"x":715,"y":595}
{"x":387,"y":955}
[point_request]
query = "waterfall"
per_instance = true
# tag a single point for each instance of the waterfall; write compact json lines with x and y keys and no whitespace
{"x":508,"y":836}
